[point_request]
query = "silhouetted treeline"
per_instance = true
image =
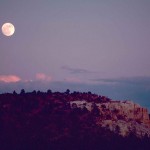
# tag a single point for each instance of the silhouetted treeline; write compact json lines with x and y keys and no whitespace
{"x":45,"y":121}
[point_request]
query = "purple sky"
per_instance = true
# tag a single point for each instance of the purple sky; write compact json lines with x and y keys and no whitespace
{"x":75,"y":40}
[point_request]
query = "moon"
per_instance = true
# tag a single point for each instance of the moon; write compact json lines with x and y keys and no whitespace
{"x":8,"y":29}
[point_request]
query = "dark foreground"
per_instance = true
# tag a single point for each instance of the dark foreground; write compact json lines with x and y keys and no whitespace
{"x":45,"y":121}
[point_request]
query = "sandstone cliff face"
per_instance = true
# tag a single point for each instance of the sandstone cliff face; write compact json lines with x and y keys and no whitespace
{"x":124,"y":116}
{"x":127,"y":110}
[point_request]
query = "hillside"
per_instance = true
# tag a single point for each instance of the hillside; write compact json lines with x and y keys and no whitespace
{"x":123,"y":116}
{"x":71,"y":121}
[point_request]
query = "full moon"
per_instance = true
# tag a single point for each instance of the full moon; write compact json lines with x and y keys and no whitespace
{"x":8,"y":29}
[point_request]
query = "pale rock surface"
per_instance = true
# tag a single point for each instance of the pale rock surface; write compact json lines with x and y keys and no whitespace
{"x":122,"y":117}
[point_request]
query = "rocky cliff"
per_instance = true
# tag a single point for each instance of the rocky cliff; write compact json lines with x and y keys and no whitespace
{"x":123,"y":117}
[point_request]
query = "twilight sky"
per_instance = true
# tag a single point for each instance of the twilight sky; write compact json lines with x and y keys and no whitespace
{"x":76,"y":41}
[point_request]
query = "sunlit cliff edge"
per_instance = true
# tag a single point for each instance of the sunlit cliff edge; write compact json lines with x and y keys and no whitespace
{"x":122,"y":117}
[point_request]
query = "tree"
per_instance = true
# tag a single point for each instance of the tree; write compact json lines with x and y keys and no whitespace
{"x":67,"y":91}
{"x":95,"y":110}
{"x":22,"y":92}
{"x":14,"y":93}
{"x":74,"y":106}
{"x":49,"y":91}
{"x":34,"y":92}
{"x":89,"y":92}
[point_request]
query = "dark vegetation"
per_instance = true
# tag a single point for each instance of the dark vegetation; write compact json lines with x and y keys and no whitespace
{"x":45,"y":121}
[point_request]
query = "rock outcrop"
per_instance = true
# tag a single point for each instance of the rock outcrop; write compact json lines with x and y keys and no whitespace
{"x":123,"y":117}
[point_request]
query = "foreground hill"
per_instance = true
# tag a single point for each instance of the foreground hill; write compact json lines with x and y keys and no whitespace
{"x":71,"y":121}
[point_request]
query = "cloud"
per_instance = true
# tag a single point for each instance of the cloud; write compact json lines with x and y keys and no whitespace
{"x":43,"y":77}
{"x":9,"y":78}
{"x":76,"y":70}
{"x":128,"y":80}
{"x":73,"y":80}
